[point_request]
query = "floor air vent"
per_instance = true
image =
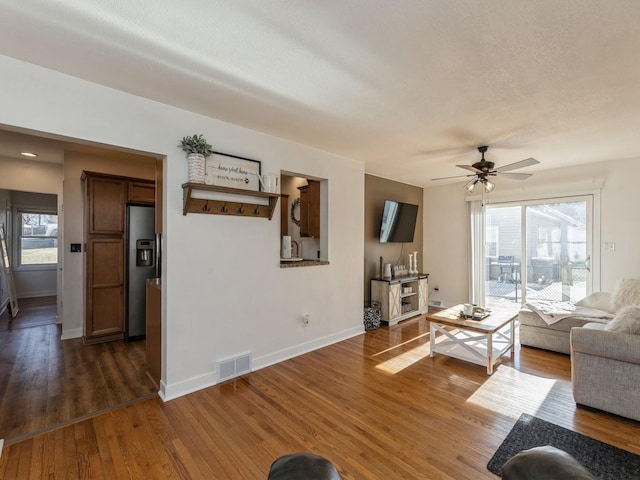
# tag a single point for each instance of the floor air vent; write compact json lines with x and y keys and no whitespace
{"x":233,"y":367}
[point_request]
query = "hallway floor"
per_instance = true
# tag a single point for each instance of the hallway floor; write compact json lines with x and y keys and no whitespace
{"x":46,"y":382}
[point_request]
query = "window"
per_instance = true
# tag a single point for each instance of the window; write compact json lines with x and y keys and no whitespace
{"x":492,"y":241}
{"x":38,"y":242}
{"x":534,"y":250}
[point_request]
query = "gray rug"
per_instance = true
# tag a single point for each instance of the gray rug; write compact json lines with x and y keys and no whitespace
{"x":604,"y":461}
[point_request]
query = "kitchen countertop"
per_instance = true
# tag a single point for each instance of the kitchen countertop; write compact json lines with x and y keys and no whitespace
{"x":303,"y":263}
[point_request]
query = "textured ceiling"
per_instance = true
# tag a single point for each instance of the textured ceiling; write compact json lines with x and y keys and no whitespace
{"x":411,"y":88}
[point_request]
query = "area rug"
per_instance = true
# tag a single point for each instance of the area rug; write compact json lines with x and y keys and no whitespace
{"x":604,"y":461}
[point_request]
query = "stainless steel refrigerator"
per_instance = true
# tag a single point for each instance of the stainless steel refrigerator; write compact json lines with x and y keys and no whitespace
{"x":141,"y":264}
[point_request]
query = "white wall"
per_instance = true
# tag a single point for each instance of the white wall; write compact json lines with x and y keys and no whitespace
{"x":446,"y":243}
{"x":224,"y":292}
{"x":446,"y":225}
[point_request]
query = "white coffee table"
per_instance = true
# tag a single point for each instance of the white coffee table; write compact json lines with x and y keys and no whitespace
{"x":482,"y":342}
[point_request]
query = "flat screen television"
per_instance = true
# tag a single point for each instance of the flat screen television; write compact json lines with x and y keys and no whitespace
{"x":398,"y":222}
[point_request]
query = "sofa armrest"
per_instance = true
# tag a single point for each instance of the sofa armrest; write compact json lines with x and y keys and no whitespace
{"x":624,"y":347}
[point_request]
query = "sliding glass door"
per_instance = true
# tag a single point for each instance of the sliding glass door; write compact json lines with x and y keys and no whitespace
{"x":537,"y":250}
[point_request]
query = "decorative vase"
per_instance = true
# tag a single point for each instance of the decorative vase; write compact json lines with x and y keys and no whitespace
{"x":196,"y":167}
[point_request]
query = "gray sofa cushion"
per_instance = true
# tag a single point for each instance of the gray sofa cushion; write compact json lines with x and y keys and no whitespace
{"x":598,"y":301}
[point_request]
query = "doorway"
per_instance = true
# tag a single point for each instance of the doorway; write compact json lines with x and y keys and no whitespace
{"x":67,"y":379}
{"x":538,"y":250}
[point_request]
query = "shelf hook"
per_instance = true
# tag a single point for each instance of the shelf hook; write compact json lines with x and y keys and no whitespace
{"x":224,"y":208}
{"x":241,"y":209}
{"x":256,"y":211}
{"x":206,"y":207}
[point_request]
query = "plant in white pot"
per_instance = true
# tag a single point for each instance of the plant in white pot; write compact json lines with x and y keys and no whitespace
{"x":197,"y":150}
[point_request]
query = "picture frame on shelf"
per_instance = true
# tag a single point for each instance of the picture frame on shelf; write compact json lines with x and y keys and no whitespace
{"x":225,"y":170}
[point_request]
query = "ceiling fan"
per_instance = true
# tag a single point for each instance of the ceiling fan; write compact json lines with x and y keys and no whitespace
{"x":484,"y":169}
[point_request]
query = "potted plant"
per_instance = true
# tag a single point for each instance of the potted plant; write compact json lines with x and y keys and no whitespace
{"x":197,"y":150}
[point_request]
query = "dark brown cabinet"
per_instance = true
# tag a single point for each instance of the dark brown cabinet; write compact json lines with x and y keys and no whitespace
{"x":284,"y":214}
{"x":310,"y":209}
{"x":141,"y":192}
{"x":105,"y":287}
{"x":106,"y":198}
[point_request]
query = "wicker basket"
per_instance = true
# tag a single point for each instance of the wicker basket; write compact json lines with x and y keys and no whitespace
{"x":372,"y":316}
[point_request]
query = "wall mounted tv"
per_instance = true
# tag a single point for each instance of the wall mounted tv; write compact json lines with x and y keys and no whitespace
{"x":398,"y":222}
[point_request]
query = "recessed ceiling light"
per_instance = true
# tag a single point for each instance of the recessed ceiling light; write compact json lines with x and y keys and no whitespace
{"x":29,"y":154}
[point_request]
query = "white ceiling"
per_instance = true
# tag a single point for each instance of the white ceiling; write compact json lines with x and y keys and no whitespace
{"x":409,"y":87}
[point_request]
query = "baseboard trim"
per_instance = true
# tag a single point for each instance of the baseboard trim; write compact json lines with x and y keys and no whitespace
{"x":172,"y":391}
{"x":175,"y":390}
{"x":301,"y":349}
{"x":71,"y":333}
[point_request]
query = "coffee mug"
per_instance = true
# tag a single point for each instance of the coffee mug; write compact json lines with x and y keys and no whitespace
{"x":467,"y":309}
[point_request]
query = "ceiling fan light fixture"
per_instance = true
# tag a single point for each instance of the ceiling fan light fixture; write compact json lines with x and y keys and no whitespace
{"x":488,"y":185}
{"x":471,"y":185}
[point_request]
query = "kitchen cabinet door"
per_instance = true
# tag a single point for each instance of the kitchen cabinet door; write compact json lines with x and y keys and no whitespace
{"x":106,"y":200}
{"x":105,"y":287}
{"x":310,"y":209}
{"x":142,"y":192}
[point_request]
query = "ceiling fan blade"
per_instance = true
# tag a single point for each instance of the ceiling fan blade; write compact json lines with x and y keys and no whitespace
{"x":521,"y":164}
{"x":470,"y":168}
{"x":515,"y":176}
{"x":455,"y":176}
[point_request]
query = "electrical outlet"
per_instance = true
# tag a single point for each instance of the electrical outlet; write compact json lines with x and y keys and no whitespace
{"x":306,"y":318}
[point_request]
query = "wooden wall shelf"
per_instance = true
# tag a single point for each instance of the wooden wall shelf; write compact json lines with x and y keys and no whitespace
{"x":226,"y":207}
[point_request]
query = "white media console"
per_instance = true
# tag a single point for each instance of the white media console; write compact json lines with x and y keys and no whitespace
{"x":401,"y":298}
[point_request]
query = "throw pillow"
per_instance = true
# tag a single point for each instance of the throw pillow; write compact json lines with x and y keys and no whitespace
{"x":627,"y":320}
{"x":626,"y":292}
{"x":598,"y":300}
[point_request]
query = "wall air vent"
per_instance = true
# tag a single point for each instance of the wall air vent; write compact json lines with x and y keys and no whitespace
{"x":233,"y":367}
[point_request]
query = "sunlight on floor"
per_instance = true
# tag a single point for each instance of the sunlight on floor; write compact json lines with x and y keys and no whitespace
{"x":404,"y":360}
{"x":511,"y":392}
{"x":399,"y":345}
{"x":408,"y":358}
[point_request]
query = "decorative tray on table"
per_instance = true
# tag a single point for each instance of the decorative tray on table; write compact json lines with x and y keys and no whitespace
{"x":476,"y":315}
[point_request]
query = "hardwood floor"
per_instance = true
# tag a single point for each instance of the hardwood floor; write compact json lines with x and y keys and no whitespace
{"x":376,"y":405}
{"x":45,"y":382}
{"x":32,"y":312}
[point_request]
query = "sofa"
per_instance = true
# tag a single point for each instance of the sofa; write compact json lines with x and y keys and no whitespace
{"x":605,"y":364}
{"x":551,"y":330}
{"x":537,"y":332}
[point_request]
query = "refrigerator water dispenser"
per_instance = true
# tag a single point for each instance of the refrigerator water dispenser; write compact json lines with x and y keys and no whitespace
{"x":144,"y":253}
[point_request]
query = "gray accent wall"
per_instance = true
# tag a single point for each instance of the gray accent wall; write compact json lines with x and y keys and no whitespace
{"x":376,"y":191}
